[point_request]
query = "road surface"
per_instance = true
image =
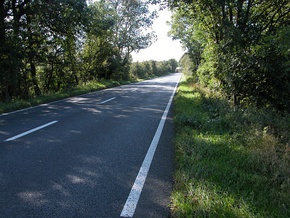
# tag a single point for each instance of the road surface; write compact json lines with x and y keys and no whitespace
{"x":104,"y":154}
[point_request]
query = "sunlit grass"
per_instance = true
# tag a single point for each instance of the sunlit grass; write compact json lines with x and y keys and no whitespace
{"x":79,"y":90}
{"x":228,"y":163}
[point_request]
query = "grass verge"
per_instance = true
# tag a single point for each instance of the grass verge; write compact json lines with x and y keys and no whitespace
{"x":81,"y":89}
{"x":230,"y":162}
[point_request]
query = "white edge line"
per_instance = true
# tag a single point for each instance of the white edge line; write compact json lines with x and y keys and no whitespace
{"x":30,"y":131}
{"x":133,"y":198}
{"x":103,"y":102}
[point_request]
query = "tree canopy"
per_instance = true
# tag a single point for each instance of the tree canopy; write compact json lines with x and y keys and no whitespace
{"x":52,"y":45}
{"x":239,"y":46}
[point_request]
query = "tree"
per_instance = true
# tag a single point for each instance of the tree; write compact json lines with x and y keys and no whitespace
{"x":152,"y":68}
{"x":184,"y":27}
{"x":11,"y":14}
{"x":116,"y":29}
{"x":238,"y":38}
{"x":131,"y":31}
{"x":51,"y":45}
{"x":30,"y":30}
{"x":188,"y":67}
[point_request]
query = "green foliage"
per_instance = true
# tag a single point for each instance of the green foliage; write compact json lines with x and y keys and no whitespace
{"x":53,"y":46}
{"x":152,"y":68}
{"x":230,"y":162}
{"x":187,"y":66}
{"x":183,"y":27}
{"x":242,"y":47}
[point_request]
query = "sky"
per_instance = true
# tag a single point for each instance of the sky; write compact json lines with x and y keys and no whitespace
{"x":164,"y":48}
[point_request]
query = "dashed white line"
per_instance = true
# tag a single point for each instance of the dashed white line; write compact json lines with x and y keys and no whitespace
{"x":103,"y":102}
{"x":30,"y":131}
{"x":133,"y":198}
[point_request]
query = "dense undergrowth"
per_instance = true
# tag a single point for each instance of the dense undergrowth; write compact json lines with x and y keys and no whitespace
{"x":230,"y":162}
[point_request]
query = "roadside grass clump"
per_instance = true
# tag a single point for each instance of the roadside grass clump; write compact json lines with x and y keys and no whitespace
{"x":230,"y":162}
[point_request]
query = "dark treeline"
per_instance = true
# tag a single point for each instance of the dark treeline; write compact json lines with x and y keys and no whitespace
{"x":241,"y":47}
{"x":51,"y":45}
{"x":152,"y":68}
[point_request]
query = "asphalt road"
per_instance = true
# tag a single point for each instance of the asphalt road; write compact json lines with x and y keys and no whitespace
{"x":80,"y":157}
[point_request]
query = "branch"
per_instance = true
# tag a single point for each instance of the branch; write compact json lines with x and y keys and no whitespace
{"x":272,"y":19}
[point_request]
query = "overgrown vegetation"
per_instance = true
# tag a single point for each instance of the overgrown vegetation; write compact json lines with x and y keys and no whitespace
{"x":232,"y":116}
{"x":136,"y":74}
{"x":231,"y":161}
{"x":238,"y":46}
{"x":54,"y":49}
{"x":51,"y":46}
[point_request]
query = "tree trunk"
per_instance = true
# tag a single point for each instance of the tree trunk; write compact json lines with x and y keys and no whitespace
{"x":37,"y":91}
{"x":3,"y":70}
{"x":2,"y":23}
{"x":31,"y":57}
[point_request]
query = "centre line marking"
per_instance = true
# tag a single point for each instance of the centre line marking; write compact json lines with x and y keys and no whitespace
{"x":30,"y":131}
{"x":133,"y":198}
{"x":103,"y":102}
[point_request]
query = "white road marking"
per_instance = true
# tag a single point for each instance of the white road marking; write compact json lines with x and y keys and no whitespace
{"x":103,"y":102}
{"x":133,"y":198}
{"x":30,"y":131}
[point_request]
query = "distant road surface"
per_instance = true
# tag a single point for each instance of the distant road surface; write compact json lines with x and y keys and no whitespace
{"x":104,"y":154}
